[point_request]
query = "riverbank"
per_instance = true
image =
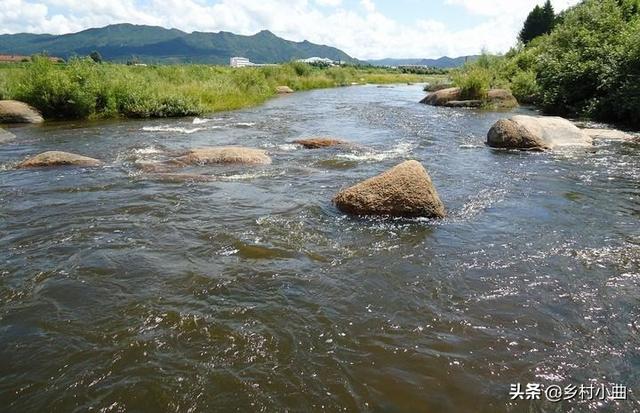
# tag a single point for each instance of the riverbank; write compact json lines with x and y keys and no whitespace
{"x":82,"y":89}
{"x":586,"y":67}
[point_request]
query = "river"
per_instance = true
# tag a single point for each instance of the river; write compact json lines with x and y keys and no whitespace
{"x":122,"y":291}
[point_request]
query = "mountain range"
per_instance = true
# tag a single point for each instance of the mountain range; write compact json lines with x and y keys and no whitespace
{"x":151,"y":44}
{"x":125,"y":42}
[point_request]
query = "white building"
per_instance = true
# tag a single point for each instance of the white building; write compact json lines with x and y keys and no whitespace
{"x":240,"y":62}
{"x":319,"y":60}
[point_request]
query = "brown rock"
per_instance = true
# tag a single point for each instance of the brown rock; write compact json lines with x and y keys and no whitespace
{"x":531,"y":132}
{"x":283,"y":90}
{"x":224,"y":155}
{"x":403,"y":191}
{"x":506,"y":133}
{"x":502,"y":99}
{"x":12,"y":111}
{"x":442,"y":96}
{"x":57,"y":158}
{"x":452,"y":97}
{"x":316,"y":143}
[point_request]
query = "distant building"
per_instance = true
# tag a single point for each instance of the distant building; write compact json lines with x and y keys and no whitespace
{"x":320,"y":61}
{"x":240,"y":62}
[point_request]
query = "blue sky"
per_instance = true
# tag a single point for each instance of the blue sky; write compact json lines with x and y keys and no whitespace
{"x":364,"y":29}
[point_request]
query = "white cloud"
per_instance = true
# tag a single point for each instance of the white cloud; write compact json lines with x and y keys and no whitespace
{"x":330,"y":3}
{"x":506,"y":7}
{"x":363,"y":32}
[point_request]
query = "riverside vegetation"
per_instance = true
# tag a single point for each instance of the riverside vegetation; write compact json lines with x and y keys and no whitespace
{"x":83,"y":88}
{"x":586,"y":64}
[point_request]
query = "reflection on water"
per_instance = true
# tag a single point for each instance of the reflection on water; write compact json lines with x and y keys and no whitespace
{"x":122,"y":290}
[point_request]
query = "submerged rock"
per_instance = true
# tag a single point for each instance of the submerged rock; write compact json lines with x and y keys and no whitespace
{"x":283,"y":90}
{"x":6,"y":136}
{"x":12,"y":111}
{"x":179,"y":177}
{"x":403,"y":191}
{"x":463,"y":104}
{"x":452,"y":97}
{"x":223,"y":155}
{"x":316,"y":143}
{"x":57,"y":158}
{"x":536,"y":133}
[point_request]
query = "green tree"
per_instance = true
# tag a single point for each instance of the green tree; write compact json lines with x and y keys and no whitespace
{"x":540,"y":21}
{"x":96,"y":57}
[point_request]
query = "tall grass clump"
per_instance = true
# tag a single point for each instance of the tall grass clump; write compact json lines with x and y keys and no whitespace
{"x":473,"y":81}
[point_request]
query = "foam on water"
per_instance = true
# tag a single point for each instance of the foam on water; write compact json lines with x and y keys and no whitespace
{"x":400,"y":150}
{"x":167,"y":128}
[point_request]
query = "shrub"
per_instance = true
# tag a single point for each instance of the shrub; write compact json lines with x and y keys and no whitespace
{"x":524,"y":87}
{"x":67,"y":93}
{"x":301,"y":69}
{"x":474,"y":81}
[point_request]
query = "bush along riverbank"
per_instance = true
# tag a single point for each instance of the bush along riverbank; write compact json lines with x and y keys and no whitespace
{"x":586,"y":64}
{"x":83,"y":89}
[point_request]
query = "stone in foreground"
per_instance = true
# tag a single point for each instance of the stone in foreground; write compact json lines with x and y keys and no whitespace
{"x":281,"y":90}
{"x":57,"y":158}
{"x":536,"y":133}
{"x":317,"y":143}
{"x":224,"y":155}
{"x":403,"y":191}
{"x":12,"y":111}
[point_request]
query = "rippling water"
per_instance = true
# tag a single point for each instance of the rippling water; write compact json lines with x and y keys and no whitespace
{"x":122,"y":291}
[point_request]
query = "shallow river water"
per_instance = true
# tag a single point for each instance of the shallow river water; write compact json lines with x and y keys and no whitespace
{"x":122,"y":291}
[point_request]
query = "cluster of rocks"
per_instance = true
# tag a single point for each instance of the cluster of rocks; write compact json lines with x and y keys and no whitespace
{"x":405,"y":190}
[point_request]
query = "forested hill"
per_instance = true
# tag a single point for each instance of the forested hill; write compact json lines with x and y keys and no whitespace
{"x":124,"y":42}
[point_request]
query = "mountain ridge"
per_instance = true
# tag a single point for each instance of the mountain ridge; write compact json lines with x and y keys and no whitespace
{"x":125,"y":41}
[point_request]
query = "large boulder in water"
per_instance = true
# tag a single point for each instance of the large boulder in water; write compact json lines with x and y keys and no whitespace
{"x":12,"y":111}
{"x":536,"y":133}
{"x":403,"y":191}
{"x":452,"y":97}
{"x":442,"y":96}
{"x":224,"y":155}
{"x":317,"y":143}
{"x":57,"y":158}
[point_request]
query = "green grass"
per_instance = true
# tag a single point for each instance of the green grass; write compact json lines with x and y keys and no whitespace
{"x":83,"y":89}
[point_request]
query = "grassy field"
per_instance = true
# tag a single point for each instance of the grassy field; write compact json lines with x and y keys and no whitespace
{"x":84,"y":89}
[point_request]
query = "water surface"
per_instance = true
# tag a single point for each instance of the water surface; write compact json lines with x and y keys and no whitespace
{"x":121,"y":291}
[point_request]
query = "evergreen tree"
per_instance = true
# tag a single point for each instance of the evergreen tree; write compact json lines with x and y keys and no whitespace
{"x":540,"y":21}
{"x":548,"y":17}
